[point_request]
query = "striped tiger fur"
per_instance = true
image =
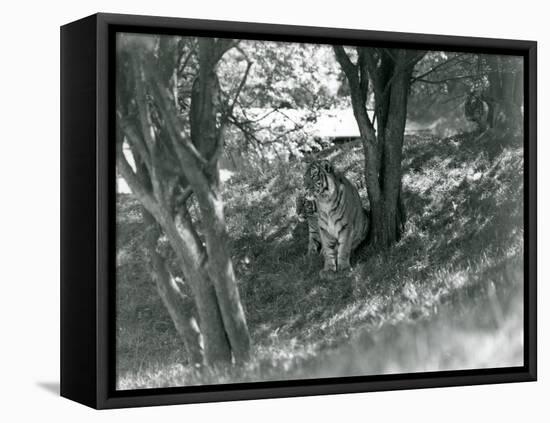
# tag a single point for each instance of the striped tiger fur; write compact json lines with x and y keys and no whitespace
{"x":343,"y":223}
{"x":476,"y":110}
{"x":307,"y":211}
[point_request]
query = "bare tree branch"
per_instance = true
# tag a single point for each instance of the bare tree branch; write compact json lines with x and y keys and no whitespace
{"x":347,"y":65}
{"x":437,"y":67}
{"x":258,"y":119}
{"x":363,"y":74}
{"x":359,"y":107}
{"x":138,"y":189}
{"x":174,"y":127}
{"x":239,"y":88}
{"x":184,"y":196}
{"x":141,"y":98}
{"x":134,"y":138}
{"x":401,"y":66}
{"x":248,"y":133}
{"x":371,"y":64}
{"x":183,"y":64}
{"x":222,"y":45}
{"x":416,"y":56}
{"x":454,"y":78}
{"x":389,"y":52}
{"x":227,"y":114}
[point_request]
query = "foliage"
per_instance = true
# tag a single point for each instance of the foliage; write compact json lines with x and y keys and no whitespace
{"x":288,"y":86}
{"x":284,"y":75}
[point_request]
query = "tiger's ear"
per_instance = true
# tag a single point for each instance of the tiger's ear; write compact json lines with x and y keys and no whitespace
{"x":327,"y":166}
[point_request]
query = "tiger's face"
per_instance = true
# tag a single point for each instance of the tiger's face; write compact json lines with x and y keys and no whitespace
{"x":318,"y":179}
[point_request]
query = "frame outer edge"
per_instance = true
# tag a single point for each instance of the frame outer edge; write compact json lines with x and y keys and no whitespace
{"x":532,"y":204}
{"x":78,"y":213}
{"x":297,"y":31}
{"x":105,"y":398}
{"x":105,"y":237}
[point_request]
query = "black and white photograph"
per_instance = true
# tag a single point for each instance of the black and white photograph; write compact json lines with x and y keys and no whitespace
{"x":294,"y":210}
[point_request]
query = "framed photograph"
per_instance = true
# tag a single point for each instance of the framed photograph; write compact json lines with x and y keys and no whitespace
{"x":256,"y":211}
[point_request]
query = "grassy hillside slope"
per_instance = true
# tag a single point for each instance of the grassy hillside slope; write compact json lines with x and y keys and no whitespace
{"x":449,"y":295}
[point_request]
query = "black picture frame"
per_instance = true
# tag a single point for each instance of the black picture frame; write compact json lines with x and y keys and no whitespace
{"x":88,"y":200}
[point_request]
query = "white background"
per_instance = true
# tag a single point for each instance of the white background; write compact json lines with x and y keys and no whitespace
{"x":29,"y":157}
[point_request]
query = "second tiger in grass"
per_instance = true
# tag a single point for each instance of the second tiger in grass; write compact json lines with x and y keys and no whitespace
{"x":307,"y":211}
{"x":343,"y":222}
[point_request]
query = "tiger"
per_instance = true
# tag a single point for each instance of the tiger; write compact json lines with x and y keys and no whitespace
{"x":476,"y":110}
{"x":307,"y":211}
{"x":343,"y":222}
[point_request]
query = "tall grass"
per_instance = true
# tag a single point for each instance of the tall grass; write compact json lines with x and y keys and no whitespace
{"x":447,"y":296}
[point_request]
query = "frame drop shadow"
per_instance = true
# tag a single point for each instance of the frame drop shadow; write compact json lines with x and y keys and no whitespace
{"x":50,"y":387}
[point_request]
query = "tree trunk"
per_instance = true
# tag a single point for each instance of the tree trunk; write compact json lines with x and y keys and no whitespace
{"x":391,"y":75}
{"x":179,"y":306}
{"x":190,"y":256}
{"x":512,"y":95}
{"x":390,"y":175}
{"x":204,"y":259}
{"x":220,"y":269}
{"x":217,"y":350}
{"x":208,"y":138}
{"x":505,"y":93}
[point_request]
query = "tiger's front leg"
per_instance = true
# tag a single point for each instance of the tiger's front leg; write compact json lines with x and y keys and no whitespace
{"x":314,"y":243}
{"x":314,"y":246}
{"x":330,"y":254}
{"x":344,"y":250}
